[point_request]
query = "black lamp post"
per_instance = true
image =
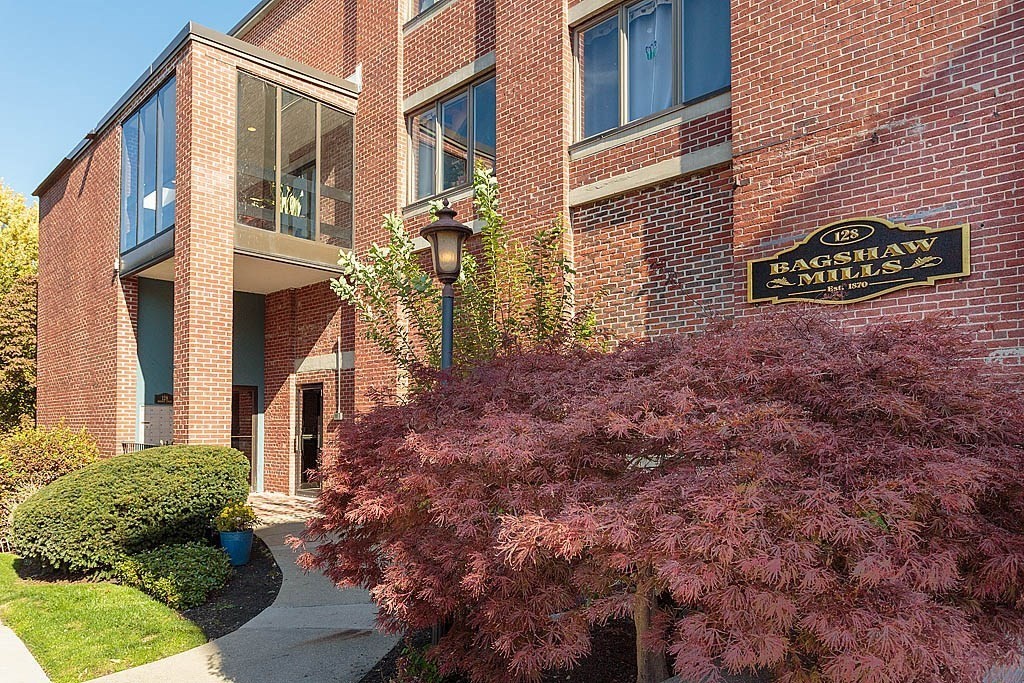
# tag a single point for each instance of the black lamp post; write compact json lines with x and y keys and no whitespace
{"x":446,"y":237}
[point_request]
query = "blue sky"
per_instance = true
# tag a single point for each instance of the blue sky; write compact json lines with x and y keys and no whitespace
{"x":64,"y":63}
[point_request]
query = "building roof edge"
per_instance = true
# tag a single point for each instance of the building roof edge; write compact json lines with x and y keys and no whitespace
{"x":193,"y":31}
{"x":254,"y":15}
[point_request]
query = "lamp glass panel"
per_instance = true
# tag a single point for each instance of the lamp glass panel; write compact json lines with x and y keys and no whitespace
{"x":446,"y":252}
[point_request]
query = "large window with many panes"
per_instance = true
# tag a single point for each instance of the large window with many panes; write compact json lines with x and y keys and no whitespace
{"x":148,"y":168}
{"x":450,"y":138}
{"x":294,"y":164}
{"x":646,"y":57}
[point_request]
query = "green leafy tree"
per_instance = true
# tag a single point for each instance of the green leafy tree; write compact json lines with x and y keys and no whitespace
{"x":19,"y":260}
{"x":511,"y":295}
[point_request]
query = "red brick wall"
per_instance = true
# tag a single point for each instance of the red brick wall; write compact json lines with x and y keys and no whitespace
{"x":380,"y":160}
{"x":299,"y":324}
{"x":319,"y":33}
{"x":204,"y":248}
{"x":279,"y":390}
{"x":87,"y":314}
{"x":458,"y":34}
{"x":534,"y":111}
{"x":659,"y":259}
{"x":907,"y":111}
{"x":691,"y":136}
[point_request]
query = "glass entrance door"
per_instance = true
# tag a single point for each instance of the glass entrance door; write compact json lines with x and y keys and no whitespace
{"x":310,"y":433}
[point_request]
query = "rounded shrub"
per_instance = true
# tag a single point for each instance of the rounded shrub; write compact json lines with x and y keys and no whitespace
{"x":182,"y":576}
{"x":92,"y":518}
{"x":31,"y":457}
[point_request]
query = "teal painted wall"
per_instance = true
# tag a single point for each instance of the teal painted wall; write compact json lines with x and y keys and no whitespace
{"x":156,"y":341}
{"x":247,"y":346}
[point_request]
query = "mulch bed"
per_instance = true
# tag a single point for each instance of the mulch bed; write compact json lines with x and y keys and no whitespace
{"x":250,"y":590}
{"x":612,"y":659}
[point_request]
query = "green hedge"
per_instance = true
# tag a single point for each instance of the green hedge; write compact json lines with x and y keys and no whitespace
{"x":181,"y":576}
{"x":35,"y":456}
{"x":92,"y":518}
{"x":31,"y":457}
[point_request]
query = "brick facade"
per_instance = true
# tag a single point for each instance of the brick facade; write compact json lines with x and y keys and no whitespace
{"x":911,"y":112}
{"x":918,"y":115}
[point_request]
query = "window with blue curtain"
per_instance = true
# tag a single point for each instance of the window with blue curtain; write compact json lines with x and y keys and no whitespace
{"x":646,"y":57}
{"x":148,"y":169}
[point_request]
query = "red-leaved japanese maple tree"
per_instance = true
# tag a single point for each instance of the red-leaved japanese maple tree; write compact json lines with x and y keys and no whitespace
{"x":783,"y":494}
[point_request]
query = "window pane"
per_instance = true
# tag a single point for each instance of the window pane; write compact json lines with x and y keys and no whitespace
{"x":298,"y":165}
{"x":455,"y":129}
{"x":484,"y":106}
{"x":424,"y":149}
{"x":257,"y":152}
{"x":168,"y":155}
{"x":129,"y":183}
{"x":649,"y":36}
{"x":424,"y":4}
{"x":706,"y":44}
{"x":599,"y":66}
{"x":335,"y":177}
{"x":148,"y":166}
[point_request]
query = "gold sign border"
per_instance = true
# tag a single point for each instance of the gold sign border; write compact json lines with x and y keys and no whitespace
{"x":965,"y":265}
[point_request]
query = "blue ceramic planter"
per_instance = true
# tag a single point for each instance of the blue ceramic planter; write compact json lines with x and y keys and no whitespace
{"x":238,"y":545}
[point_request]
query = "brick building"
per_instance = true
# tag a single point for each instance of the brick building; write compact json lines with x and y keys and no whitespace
{"x":186,"y":243}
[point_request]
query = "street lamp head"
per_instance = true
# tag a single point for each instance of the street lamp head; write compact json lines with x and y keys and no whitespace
{"x":446,"y":237}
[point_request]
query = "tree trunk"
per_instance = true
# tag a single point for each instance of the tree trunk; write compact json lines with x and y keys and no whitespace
{"x":651,"y":667}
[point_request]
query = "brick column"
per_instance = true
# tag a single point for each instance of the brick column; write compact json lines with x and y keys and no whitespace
{"x":203,"y":250}
{"x":380,"y":161}
{"x":534,"y":114}
{"x":279,"y":392}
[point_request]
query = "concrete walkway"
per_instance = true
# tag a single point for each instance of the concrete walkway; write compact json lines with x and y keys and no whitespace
{"x":18,"y":664}
{"x":313,"y":632}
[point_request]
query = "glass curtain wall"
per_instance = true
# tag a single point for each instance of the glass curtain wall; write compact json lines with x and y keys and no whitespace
{"x":298,"y":165}
{"x":257,"y":153}
{"x":148,"y":169}
{"x":295,"y":160}
{"x":336,"y":148}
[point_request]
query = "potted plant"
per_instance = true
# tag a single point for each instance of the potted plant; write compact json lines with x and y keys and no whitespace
{"x":235,"y":523}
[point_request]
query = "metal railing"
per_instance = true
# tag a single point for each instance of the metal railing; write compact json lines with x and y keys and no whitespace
{"x":129,"y":447}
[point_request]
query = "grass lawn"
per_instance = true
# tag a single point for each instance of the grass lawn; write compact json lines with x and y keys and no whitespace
{"x":78,"y":631}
